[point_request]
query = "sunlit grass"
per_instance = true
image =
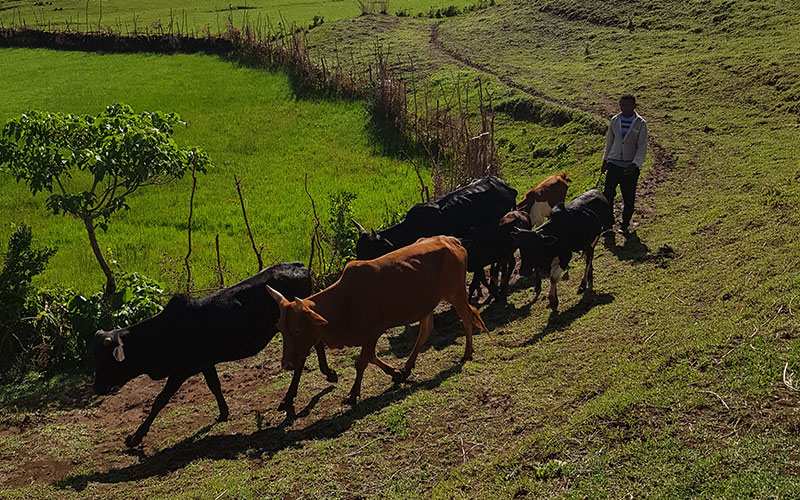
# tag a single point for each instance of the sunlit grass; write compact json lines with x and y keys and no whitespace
{"x":250,"y":123}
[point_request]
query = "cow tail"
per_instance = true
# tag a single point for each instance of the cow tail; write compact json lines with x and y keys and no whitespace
{"x":478,"y":321}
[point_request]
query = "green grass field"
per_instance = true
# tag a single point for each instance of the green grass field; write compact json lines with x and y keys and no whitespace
{"x":195,"y":16}
{"x":251,"y":125}
{"x":667,"y":382}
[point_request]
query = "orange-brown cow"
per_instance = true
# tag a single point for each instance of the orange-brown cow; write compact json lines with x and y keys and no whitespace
{"x":539,"y":201}
{"x":371,"y":296}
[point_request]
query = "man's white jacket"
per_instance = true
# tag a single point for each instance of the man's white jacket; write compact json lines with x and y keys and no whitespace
{"x":631,"y":148}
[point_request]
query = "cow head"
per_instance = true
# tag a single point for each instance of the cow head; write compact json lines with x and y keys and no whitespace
{"x":299,"y":326}
{"x":532,"y":243}
{"x":111,"y":369}
{"x":371,"y":245}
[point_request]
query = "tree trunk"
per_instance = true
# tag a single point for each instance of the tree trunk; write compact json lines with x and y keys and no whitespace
{"x":111,"y":283}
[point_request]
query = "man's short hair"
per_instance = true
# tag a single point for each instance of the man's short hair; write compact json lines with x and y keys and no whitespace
{"x":630,"y":97}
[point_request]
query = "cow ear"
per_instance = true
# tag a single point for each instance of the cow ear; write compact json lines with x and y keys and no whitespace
{"x":119,"y":353}
{"x":549,"y":240}
{"x":522,"y":235}
{"x":373,"y":235}
{"x":315,"y":318}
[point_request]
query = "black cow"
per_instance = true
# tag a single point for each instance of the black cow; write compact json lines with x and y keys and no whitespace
{"x":492,"y":244}
{"x":572,"y":228}
{"x":191,"y":335}
{"x":480,"y":202}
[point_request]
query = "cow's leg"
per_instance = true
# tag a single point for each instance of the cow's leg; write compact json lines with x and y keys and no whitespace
{"x":323,"y":364}
{"x":425,"y":327}
{"x":555,"y":275}
{"x":212,"y":380}
{"x":397,"y":375}
{"x":468,"y":315}
{"x":537,"y":284}
{"x":495,"y":273}
{"x":287,"y":404}
{"x":588,"y":272}
{"x":367,"y":354}
{"x":173,"y":383}
{"x":475,"y":284}
{"x":506,"y":270}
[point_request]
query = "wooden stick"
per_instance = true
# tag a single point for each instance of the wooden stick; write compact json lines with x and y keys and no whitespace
{"x":247,"y":223}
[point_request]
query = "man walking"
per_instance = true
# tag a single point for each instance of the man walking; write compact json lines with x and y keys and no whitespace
{"x":626,"y":147}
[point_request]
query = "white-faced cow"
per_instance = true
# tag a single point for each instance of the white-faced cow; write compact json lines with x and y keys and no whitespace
{"x":576,"y":227}
{"x":371,"y":296}
{"x":492,"y":244}
{"x":539,"y":201}
{"x":191,"y":335}
{"x":480,"y":202}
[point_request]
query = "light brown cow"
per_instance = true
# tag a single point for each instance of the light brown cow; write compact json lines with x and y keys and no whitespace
{"x":539,"y":201}
{"x":371,"y":296}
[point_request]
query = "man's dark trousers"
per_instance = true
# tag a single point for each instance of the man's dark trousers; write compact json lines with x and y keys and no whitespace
{"x":627,"y":184}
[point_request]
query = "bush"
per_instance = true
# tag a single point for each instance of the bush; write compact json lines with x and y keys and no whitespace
{"x":21,"y":264}
{"x":136,"y":299}
{"x":344,"y":234}
{"x":51,"y":330}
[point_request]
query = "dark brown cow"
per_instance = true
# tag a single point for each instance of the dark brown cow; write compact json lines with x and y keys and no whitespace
{"x":492,"y":244}
{"x":371,"y":296}
{"x":539,"y":201}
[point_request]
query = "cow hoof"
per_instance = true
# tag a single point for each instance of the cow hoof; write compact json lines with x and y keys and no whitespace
{"x":467,"y":356}
{"x":581,"y":289}
{"x":288,"y":407}
{"x":222,"y":418}
{"x":350,"y":400}
{"x":400,"y":376}
{"x":332,"y":377}
{"x":133,"y":441}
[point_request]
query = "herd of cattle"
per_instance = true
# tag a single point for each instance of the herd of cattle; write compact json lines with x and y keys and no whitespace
{"x":401,"y":274}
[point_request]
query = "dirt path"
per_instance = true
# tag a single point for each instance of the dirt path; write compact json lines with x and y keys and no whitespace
{"x":55,"y":444}
{"x":664,"y":160}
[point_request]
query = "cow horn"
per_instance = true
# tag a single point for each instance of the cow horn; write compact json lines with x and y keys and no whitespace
{"x":276,"y":295}
{"x":361,"y":229}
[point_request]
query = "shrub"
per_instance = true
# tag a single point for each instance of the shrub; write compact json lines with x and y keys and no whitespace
{"x":344,"y":234}
{"x":136,"y":299}
{"x":21,"y":264}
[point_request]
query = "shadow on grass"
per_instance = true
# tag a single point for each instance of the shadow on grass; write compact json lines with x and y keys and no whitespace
{"x":61,"y":392}
{"x":632,"y":249}
{"x":562,"y":320}
{"x":259,"y":444}
{"x":447,"y":327}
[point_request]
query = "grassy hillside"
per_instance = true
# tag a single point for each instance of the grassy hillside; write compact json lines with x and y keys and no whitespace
{"x":251,"y":125}
{"x":194,"y":16}
{"x":667,"y":382}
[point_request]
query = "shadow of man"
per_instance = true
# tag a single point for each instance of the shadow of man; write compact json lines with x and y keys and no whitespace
{"x":633,"y":249}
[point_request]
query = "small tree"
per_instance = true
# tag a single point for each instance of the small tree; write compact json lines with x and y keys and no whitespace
{"x":91,"y":164}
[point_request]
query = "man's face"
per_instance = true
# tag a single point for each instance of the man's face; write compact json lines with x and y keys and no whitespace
{"x":626,"y":106}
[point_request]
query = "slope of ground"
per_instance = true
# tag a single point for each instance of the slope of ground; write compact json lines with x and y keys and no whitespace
{"x":667,"y":382}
